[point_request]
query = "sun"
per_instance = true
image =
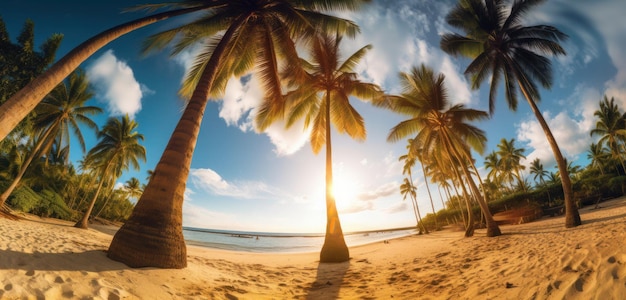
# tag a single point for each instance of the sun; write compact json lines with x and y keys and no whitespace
{"x":344,"y":188}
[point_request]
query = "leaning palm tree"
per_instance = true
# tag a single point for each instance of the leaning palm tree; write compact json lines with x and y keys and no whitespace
{"x":501,"y":47}
{"x":611,"y":127}
{"x":63,"y":110}
{"x":407,"y":186}
{"x":441,"y":128}
{"x":16,"y":108}
{"x":241,"y":36}
{"x":117,"y":151}
{"x":321,"y":97}
{"x":415,"y":150}
{"x":408,"y":189}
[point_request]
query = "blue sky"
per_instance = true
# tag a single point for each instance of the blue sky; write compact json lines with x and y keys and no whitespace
{"x":245,"y":180}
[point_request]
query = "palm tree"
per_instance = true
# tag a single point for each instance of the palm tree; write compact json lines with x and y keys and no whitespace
{"x":536,"y":167}
{"x":502,"y":47}
{"x":409,"y":163}
{"x":16,"y":108}
{"x":611,"y":127}
{"x":510,"y":158}
{"x":417,"y":152}
{"x":133,"y":188}
{"x":63,"y":109}
{"x":441,"y":129}
{"x":252,"y":35}
{"x":408,"y":189}
{"x":493,"y":163}
{"x":597,"y":154}
{"x":322,"y":96}
{"x":117,"y":151}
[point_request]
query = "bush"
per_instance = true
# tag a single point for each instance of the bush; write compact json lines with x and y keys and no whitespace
{"x":44,"y":204}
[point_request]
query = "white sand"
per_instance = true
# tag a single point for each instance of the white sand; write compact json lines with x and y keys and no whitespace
{"x":49,"y":259}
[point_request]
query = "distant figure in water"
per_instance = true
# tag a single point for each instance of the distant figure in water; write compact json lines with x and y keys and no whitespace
{"x":257,"y":237}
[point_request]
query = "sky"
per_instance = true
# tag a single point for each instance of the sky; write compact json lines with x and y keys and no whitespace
{"x":242,"y":179}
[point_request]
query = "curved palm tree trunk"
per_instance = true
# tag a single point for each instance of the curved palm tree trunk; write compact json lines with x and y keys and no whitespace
{"x":432,"y":205}
{"x":572,"y":217}
{"x":153,"y":235}
{"x":334,"y":248}
{"x":33,"y":154}
{"x":84,"y":221}
{"x":469,"y":228}
{"x":416,"y":209}
{"x":24,"y":101}
{"x":492,"y":226}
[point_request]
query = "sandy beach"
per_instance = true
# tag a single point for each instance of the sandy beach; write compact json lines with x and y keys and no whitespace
{"x":49,"y":259}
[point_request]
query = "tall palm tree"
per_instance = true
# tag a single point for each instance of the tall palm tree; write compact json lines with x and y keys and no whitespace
{"x":133,"y":188}
{"x":502,"y":47}
{"x":611,"y":127}
{"x":510,"y":158}
{"x":441,"y":128}
{"x":63,"y":110}
{"x":119,"y":149}
{"x":408,"y":189}
{"x":25,"y":100}
{"x":597,"y":154}
{"x":321,"y":97}
{"x":253,"y":34}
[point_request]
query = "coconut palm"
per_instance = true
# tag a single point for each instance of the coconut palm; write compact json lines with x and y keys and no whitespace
{"x":133,"y":188}
{"x":408,"y":189}
{"x":321,"y":97}
{"x":536,"y":167}
{"x":503,"y":48}
{"x":16,"y":108}
{"x":415,"y":150}
{"x":510,"y":158}
{"x":611,"y":127}
{"x":119,"y":149}
{"x":441,"y":128}
{"x":63,"y":110}
{"x":241,"y":36}
{"x":597,"y":154}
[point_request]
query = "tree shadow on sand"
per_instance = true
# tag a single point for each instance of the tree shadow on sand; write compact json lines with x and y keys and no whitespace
{"x":90,"y":261}
{"x":328,"y":281}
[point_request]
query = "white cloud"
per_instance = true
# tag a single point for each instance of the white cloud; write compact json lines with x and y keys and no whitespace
{"x":114,"y":78}
{"x":209,"y":180}
{"x":200,"y":217}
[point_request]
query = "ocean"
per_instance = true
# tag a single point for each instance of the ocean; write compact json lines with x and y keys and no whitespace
{"x":271,"y":242}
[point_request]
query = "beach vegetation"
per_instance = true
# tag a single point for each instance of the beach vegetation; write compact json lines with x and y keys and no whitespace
{"x":502,"y":48}
{"x":57,"y":118}
{"x":242,"y":37}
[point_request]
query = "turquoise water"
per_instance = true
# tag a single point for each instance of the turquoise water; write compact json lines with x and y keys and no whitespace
{"x":280,"y":242}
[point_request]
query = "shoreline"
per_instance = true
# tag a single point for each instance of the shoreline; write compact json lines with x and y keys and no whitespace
{"x":537,"y":260}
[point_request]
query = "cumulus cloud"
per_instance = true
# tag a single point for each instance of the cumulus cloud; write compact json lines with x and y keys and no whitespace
{"x":115,"y":80}
{"x":197,"y":216}
{"x":209,"y":180}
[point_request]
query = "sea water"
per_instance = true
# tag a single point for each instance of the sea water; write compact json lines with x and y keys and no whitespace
{"x":280,"y":242}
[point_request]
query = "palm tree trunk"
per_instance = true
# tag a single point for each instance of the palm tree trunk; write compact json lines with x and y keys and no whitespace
{"x":153,"y":235}
{"x":24,"y":101}
{"x":430,"y":196}
{"x":416,"y":208}
{"x":84,"y":221}
{"x":572,"y":217}
{"x":469,"y":229}
{"x":334,"y":248}
{"x":492,"y":226}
